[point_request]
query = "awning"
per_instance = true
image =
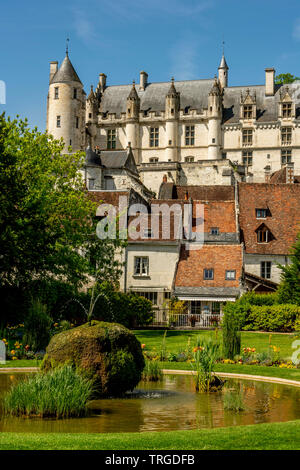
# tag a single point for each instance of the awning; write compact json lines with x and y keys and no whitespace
{"x":208,"y":299}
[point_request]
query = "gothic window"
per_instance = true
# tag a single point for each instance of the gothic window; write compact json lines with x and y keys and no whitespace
{"x":58,"y":121}
{"x":248,"y":111}
{"x":265,"y":269}
{"x":287,"y":110}
{"x":247,"y":136}
{"x":286,"y":156}
{"x":208,"y":274}
{"x":154,"y":136}
{"x":189,"y":135}
{"x":286,"y":135}
{"x":247,"y":158}
{"x":189,"y":159}
{"x":56,"y":93}
{"x":111,"y":139}
{"x":141,"y":266}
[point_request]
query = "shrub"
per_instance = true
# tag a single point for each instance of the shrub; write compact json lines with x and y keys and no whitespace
{"x":37,"y":326}
{"x":108,"y":353}
{"x":60,"y":393}
{"x":231,"y":325}
{"x":252,"y":298}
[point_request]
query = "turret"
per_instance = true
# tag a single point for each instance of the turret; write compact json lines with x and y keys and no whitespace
{"x":66,"y":105}
{"x":172,"y":107}
{"x":91,"y":117}
{"x":223,"y":72}
{"x":214,"y":120}
{"x":132,"y":117}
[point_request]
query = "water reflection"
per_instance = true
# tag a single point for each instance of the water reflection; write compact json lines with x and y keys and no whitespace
{"x":168,"y":405}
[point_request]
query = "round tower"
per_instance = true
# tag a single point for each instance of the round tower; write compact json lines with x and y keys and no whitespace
{"x":66,"y":105}
{"x":172,"y":107}
{"x":214,"y":121}
{"x":223,"y":72}
{"x":132,"y":120}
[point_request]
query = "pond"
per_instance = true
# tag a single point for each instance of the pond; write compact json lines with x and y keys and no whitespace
{"x":169,"y":405}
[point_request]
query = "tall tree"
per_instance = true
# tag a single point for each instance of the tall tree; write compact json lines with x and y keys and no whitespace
{"x":47,"y":220}
{"x":289,"y":288}
{"x":284,"y":78}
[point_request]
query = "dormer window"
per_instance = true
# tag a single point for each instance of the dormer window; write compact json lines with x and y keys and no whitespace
{"x":248,"y":111}
{"x":264,"y":235}
{"x":111,"y":139}
{"x":286,"y":110}
{"x":261,"y":213}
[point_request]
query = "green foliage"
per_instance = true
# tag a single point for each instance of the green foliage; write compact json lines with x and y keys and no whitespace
{"x":289,"y":288}
{"x":37,"y":326}
{"x":272,"y":318}
{"x":232,"y":320}
{"x":206,"y":354}
{"x":60,"y":393}
{"x":233,"y":401}
{"x":284,"y":78}
{"x":252,"y":298}
{"x":152,"y":371}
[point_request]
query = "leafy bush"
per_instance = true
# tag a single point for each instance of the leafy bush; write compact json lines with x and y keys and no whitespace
{"x":37,"y":326}
{"x":252,"y":298}
{"x":60,"y":393}
{"x":231,"y":324}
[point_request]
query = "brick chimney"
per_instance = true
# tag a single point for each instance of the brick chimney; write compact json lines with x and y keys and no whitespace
{"x":270,"y":82}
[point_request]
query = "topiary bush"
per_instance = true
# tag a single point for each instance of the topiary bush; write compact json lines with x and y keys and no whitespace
{"x":107,"y":353}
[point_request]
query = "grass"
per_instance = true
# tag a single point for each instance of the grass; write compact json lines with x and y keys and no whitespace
{"x":60,"y":393}
{"x":177,"y":340}
{"x":233,"y":400}
{"x":21,"y":363}
{"x":271,"y":436}
{"x":152,"y":371}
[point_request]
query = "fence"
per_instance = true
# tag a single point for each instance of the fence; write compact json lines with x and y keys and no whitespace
{"x":177,"y":320}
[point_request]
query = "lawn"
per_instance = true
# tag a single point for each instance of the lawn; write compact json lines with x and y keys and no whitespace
{"x":277,"y":436}
{"x":177,"y":340}
{"x":21,"y":363}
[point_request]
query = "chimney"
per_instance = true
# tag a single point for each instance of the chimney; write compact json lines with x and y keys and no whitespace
{"x":267,"y":174}
{"x":270,"y":82}
{"x":143,"y":80}
{"x":102,"y":81}
{"x":290,"y":177}
{"x":53,"y":69}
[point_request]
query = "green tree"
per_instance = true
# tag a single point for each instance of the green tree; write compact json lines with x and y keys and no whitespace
{"x":47,"y":220}
{"x":289,"y":288}
{"x":284,"y":78}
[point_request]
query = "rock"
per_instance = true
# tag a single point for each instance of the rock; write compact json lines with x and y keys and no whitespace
{"x":108,"y":353}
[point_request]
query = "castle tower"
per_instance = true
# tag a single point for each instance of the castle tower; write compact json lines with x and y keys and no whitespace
{"x":214,"y":121}
{"x":132,"y":118}
{"x":223,"y":72}
{"x":66,"y":105}
{"x":172,"y":107}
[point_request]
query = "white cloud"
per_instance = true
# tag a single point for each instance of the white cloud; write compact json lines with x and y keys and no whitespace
{"x":296,"y":30}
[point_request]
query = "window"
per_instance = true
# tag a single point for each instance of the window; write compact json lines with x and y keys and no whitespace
{"x":263,"y":235}
{"x":247,"y":136}
{"x":261,"y":213}
{"x":90,"y":115}
{"x":111,"y":138}
{"x":152,"y":296}
{"x":141,"y":266}
{"x":286,"y":135}
{"x":216,"y":308}
{"x":265,"y":269}
{"x":91,"y":185}
{"x":167,"y":295}
{"x":247,"y":158}
{"x":153,"y":160}
{"x":58,"y":122}
{"x":56,"y":93}
{"x":208,"y":274}
{"x":189,"y":159}
{"x":248,"y":111}
{"x":109,"y":183}
{"x":195,"y":307}
{"x":75,"y":93}
{"x":77,"y":122}
{"x":189,"y":135}
{"x":286,"y":156}
{"x":287,"y":110}
{"x":154,"y":136}
{"x":230,"y":275}
{"x":214,"y":231}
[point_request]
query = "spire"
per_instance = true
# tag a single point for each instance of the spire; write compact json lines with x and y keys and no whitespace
{"x":133,"y":93}
{"x":215,"y":90}
{"x":223,"y":63}
{"x":172,"y":90}
{"x":92,"y":94}
{"x":66,"y":72}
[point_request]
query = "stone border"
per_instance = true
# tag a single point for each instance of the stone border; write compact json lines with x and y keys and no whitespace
{"x":229,"y":375}
{"x":19,"y":369}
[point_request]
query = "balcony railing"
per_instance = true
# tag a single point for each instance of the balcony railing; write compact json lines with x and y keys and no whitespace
{"x":198,"y":320}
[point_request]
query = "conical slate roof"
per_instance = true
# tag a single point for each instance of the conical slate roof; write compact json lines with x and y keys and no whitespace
{"x":66,"y":73}
{"x":223,"y":63}
{"x":133,"y":94}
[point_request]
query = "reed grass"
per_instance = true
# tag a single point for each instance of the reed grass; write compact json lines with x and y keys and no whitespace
{"x":234,"y":401}
{"x":152,"y":371}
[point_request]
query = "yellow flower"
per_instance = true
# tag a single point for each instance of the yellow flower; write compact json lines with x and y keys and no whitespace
{"x":13,"y":352}
{"x":14,"y":358}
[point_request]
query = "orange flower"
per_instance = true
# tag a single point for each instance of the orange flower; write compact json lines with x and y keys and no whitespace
{"x":143,"y":346}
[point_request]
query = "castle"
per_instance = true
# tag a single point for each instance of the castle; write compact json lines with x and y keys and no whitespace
{"x":234,"y":149}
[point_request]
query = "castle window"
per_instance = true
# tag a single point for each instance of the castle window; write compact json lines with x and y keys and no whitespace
{"x":58,"y":121}
{"x":208,"y":274}
{"x":287,"y":110}
{"x":286,"y":156}
{"x":56,"y":93}
{"x":111,"y":139}
{"x":75,"y":93}
{"x":230,"y":275}
{"x":189,"y":159}
{"x":77,"y":122}
{"x":286,"y":135}
{"x":265,"y":269}
{"x":189,"y":135}
{"x":153,"y":160}
{"x":247,"y":158}
{"x":247,"y":136}
{"x":154,"y":136}
{"x":141,"y":266}
{"x":90,"y":115}
{"x":248,"y":111}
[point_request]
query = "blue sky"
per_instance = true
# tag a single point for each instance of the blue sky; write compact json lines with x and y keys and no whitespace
{"x":122,"y":37}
